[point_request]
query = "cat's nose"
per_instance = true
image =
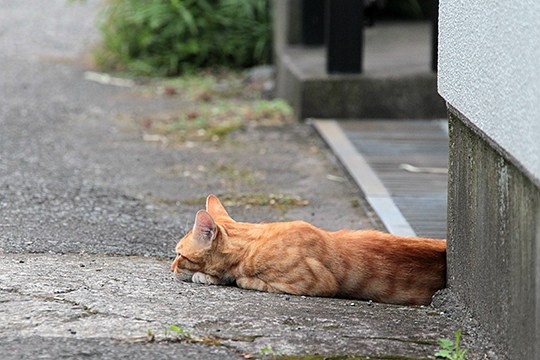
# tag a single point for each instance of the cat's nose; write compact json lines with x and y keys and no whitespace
{"x":176,"y":263}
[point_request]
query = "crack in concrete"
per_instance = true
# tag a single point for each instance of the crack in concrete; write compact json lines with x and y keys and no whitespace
{"x":211,"y":340}
{"x":62,"y":300}
{"x":403,"y":340}
{"x":87,"y":310}
{"x":90,"y":311}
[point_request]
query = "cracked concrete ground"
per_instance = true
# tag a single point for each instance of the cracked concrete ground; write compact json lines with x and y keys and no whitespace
{"x":105,"y":303}
{"x":90,"y":214}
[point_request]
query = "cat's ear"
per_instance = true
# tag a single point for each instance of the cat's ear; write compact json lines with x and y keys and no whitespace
{"x":204,"y":230}
{"x":214,"y":207}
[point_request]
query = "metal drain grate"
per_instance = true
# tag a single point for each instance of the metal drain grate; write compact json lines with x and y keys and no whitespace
{"x":389,"y":144}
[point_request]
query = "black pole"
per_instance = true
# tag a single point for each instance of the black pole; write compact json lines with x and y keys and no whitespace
{"x":313,"y":22}
{"x":345,"y":36}
{"x":434,"y":34}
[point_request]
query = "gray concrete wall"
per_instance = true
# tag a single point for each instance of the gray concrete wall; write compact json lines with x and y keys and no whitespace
{"x":493,"y":237}
{"x":364,"y":96}
{"x":489,"y":69}
{"x":285,"y":32}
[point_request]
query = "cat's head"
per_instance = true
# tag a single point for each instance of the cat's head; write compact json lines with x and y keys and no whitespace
{"x":195,"y":252}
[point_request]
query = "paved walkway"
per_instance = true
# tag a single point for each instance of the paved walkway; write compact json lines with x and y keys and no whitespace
{"x":400,"y":166}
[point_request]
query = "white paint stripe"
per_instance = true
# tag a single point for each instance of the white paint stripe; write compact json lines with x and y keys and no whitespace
{"x":357,"y":166}
{"x":374,"y":190}
{"x":443,"y":123}
{"x":390,"y":215}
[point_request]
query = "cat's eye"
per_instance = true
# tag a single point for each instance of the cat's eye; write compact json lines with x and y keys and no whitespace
{"x":184,"y":258}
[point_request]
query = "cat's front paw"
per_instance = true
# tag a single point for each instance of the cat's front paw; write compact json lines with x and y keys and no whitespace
{"x":202,"y":278}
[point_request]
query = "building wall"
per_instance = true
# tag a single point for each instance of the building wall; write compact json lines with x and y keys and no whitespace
{"x":489,"y":75}
{"x":493,"y":252}
{"x":489,"y":69}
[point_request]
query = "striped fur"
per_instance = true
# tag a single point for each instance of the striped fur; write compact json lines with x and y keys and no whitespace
{"x":299,"y":258}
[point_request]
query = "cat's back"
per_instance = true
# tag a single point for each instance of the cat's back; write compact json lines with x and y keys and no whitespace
{"x":275,"y":233}
{"x":393,"y":250}
{"x":374,"y":239}
{"x":391,"y":268}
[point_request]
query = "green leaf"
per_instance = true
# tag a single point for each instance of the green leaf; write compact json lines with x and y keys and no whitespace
{"x":446,"y":344}
{"x":176,"y":329}
{"x":443,"y":354}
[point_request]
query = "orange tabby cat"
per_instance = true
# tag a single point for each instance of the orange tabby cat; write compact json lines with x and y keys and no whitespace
{"x":299,"y":258}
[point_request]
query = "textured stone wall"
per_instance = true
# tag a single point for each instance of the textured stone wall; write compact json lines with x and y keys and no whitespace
{"x":493,"y":240}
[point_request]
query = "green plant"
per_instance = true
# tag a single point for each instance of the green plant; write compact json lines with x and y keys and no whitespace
{"x":215,"y":105}
{"x":248,"y":31}
{"x":214,"y":121}
{"x":451,"y":350}
{"x":178,"y":332}
{"x":273,"y":200}
{"x":267,"y":350}
{"x":168,"y":37}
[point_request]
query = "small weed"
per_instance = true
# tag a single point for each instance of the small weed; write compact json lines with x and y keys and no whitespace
{"x":217,"y":104}
{"x":207,"y":86}
{"x":267,"y":350}
{"x":274,"y":200}
{"x":214,"y":121}
{"x":451,"y":350}
{"x":347,"y":357}
{"x":178,"y":332}
{"x":150,"y":336}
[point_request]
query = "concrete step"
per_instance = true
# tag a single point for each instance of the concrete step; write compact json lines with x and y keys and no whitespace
{"x":397,"y":81}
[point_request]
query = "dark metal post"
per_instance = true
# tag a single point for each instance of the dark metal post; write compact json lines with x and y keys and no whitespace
{"x":345,"y":36}
{"x":434,"y":34}
{"x":313,"y":22}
